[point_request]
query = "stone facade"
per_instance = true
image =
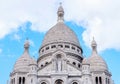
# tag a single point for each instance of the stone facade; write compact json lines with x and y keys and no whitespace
{"x":60,"y":61}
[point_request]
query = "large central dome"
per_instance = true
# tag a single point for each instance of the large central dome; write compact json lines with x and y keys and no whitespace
{"x":60,"y":32}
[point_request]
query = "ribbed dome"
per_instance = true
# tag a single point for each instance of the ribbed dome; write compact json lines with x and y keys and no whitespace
{"x":97,"y":63}
{"x":60,"y":32}
{"x":22,"y":63}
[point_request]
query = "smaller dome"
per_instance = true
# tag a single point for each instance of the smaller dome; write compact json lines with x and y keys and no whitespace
{"x":22,"y":63}
{"x":97,"y":63}
{"x":60,"y":33}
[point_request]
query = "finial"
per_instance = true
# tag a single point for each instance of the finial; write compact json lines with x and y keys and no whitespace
{"x":60,"y":3}
{"x":60,"y":13}
{"x":26,"y":45}
{"x":94,"y":45}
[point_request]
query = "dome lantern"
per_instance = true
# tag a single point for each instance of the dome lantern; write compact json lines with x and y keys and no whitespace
{"x":94,"y":46}
{"x":26,"y":45}
{"x":60,"y":13}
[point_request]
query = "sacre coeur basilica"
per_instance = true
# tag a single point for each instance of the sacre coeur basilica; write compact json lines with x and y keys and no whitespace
{"x":60,"y":60}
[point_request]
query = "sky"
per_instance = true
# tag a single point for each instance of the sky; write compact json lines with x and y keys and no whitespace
{"x":21,"y":19}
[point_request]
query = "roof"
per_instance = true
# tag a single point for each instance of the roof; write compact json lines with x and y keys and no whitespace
{"x":60,"y":32}
{"x":22,"y":64}
{"x":97,"y":63}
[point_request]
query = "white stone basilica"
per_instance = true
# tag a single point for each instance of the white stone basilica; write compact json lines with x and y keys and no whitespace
{"x":60,"y":60}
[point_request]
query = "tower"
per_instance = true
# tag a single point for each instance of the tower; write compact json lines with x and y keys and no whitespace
{"x":32,"y":75}
{"x":98,"y":67}
{"x":86,"y":75}
{"x":60,"y":60}
{"x":21,"y":67}
{"x":60,"y":55}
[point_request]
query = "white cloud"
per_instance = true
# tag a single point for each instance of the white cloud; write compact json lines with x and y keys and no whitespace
{"x":1,"y":50}
{"x":101,"y":17}
{"x":31,"y":43}
{"x":16,"y":37}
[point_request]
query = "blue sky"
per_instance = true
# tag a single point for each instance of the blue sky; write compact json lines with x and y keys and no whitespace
{"x":31,"y":19}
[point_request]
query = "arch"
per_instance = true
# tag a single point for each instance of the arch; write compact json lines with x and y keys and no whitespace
{"x":63,"y":55}
{"x":96,"y":80}
{"x":58,"y":56}
{"x":100,"y":80}
{"x":43,"y":83}
{"x":20,"y":80}
{"x":74,"y":83}
{"x":59,"y":60}
{"x":23,"y":80}
{"x":59,"y":81}
{"x":41,"y":65}
{"x":106,"y":80}
{"x":31,"y":81}
{"x":79,"y":65}
{"x":53,"y":46}
{"x":74,"y":63}
{"x":46,"y":63}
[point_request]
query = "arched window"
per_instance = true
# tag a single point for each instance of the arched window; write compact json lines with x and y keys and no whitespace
{"x":96,"y":80}
{"x":53,"y":46}
{"x":74,"y":83}
{"x":42,"y":65}
{"x":19,"y":80}
{"x":14,"y":80}
{"x":74,"y":63}
{"x":59,"y":81}
{"x":47,"y":48}
{"x":43,"y":83}
{"x":100,"y":80}
{"x":23,"y":80}
{"x":46,"y":63}
{"x":67,"y":46}
{"x":106,"y":80}
{"x":78,"y":65}
{"x":31,"y":81}
{"x":42,"y":50}
{"x":73,"y":48}
{"x":60,"y":46}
